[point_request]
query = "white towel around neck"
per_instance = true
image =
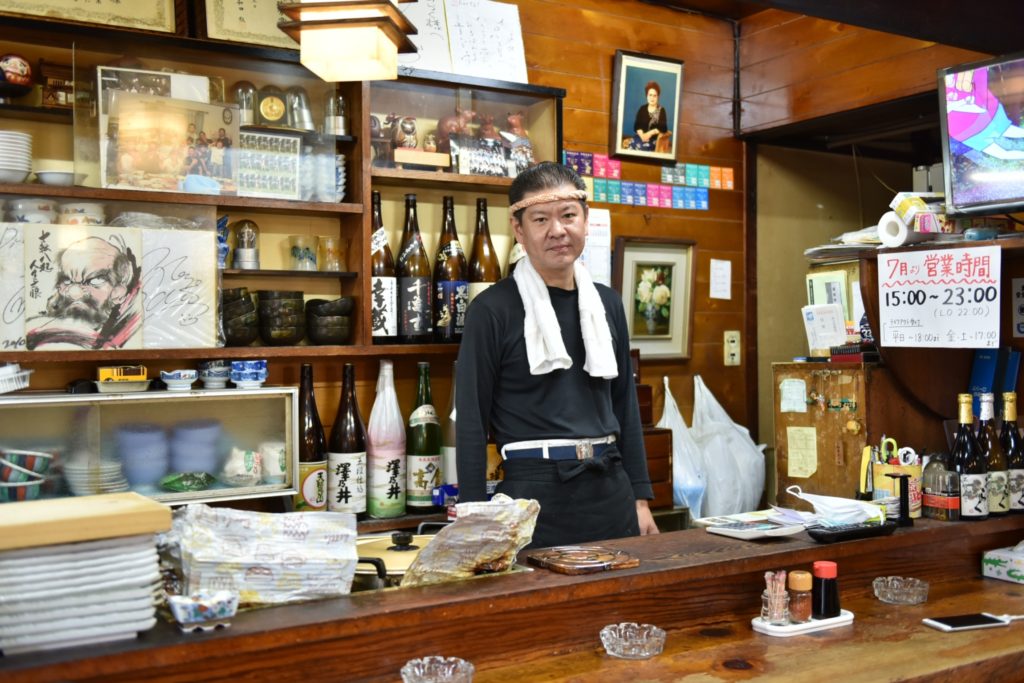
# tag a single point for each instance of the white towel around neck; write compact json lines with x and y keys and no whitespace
{"x":545,"y":350}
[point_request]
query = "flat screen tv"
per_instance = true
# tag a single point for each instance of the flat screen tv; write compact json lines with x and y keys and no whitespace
{"x":981,"y":107}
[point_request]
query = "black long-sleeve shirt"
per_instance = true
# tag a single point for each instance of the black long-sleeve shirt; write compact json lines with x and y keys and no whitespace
{"x":496,"y":389}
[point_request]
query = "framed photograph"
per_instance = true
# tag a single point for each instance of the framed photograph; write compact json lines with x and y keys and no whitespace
{"x":646,"y":97}
{"x":655,"y":277}
{"x":269,"y":165}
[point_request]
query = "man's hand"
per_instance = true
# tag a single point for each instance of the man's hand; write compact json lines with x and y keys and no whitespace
{"x":645,"y":518}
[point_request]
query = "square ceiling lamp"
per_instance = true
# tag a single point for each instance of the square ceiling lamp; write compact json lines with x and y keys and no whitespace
{"x":349,"y":40}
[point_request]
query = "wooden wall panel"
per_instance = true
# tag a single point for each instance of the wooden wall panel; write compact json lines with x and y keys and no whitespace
{"x":580,"y":60}
{"x":795,"y":68}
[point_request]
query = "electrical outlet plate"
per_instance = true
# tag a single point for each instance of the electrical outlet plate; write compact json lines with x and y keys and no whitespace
{"x":731,"y":347}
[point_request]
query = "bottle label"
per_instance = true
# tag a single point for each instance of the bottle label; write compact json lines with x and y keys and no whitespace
{"x":346,"y":482}
{"x":383,"y":318}
{"x":973,"y":495}
{"x":423,"y":415}
{"x":451,"y":297}
{"x":941,"y":506}
{"x":451,"y":250}
{"x":476,"y":287}
{"x":448,"y":471}
{"x":409,"y":247}
{"x":517,"y":253}
{"x":1015,"y":487}
{"x":414,"y":302}
{"x":998,"y":491}
{"x":386,"y":496}
{"x":378,"y":240}
{"x":424,"y":475}
{"x":312,"y":483}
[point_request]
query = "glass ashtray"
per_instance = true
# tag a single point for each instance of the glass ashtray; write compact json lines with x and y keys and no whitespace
{"x":435,"y":669}
{"x":629,"y":640}
{"x":897,"y":590}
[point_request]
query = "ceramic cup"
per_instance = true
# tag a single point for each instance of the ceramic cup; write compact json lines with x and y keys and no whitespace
{"x":33,"y":216}
{"x":274,"y":461}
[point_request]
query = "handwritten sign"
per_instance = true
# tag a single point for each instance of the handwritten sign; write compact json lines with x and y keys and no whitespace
{"x":12,"y":287}
{"x":179,"y":288}
{"x":431,"y":39}
{"x":940,"y":298}
{"x":246,"y":22}
{"x":486,"y":39}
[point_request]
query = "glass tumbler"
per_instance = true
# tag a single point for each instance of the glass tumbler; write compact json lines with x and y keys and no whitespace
{"x":333,"y":253}
{"x":775,"y":608}
{"x":302,"y":250}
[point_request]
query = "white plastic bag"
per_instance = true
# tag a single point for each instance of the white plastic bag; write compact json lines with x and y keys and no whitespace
{"x":688,"y":482}
{"x":835,"y":510}
{"x":734,"y":463}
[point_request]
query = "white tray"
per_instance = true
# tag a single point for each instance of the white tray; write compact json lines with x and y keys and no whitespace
{"x":845,"y":617}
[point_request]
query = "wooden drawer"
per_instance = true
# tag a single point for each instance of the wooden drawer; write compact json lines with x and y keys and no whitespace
{"x":658,"y":445}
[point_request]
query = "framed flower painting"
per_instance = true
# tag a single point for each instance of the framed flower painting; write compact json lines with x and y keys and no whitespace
{"x":656,"y":280}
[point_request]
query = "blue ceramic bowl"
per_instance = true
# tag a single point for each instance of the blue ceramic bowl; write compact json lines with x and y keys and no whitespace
{"x":249,"y":376}
{"x":241,"y":365}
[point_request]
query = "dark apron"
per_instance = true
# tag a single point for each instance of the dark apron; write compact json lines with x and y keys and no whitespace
{"x":581,"y":501}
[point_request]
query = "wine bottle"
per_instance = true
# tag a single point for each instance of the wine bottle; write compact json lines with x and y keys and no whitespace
{"x":386,"y":450}
{"x":941,"y":490}
{"x":383,"y":285}
{"x":451,"y":289}
{"x":514,"y":255}
{"x":449,"y":475}
{"x":484,"y":270}
{"x":312,"y":482}
{"x":423,"y":443}
{"x":995,"y":458}
{"x":413,"y":268}
{"x":969,"y":464}
{"x":346,"y":452}
{"x":1013,"y":446}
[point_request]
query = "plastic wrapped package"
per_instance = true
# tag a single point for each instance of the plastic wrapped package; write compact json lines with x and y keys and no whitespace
{"x":688,"y":469}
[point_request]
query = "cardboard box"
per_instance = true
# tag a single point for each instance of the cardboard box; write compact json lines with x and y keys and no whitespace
{"x":1003,"y":564}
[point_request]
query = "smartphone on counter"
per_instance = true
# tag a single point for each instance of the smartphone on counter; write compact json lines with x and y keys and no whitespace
{"x":966,"y":622}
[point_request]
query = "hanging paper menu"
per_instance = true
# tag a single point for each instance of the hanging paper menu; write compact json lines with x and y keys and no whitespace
{"x":945,"y":298}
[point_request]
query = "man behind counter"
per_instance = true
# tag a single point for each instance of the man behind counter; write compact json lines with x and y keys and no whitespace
{"x":544,"y":364}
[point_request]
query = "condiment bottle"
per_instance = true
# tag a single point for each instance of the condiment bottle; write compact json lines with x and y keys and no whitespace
{"x":825,"y":590}
{"x":800,"y":597}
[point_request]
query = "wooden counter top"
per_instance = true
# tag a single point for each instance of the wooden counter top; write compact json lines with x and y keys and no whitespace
{"x":686,"y":580}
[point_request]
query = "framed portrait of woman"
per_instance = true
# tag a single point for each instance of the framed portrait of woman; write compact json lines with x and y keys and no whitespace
{"x":646,"y":97}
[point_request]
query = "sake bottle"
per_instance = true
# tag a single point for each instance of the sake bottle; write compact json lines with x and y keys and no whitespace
{"x":484,"y":270}
{"x":385,"y":450}
{"x":346,"y":452}
{"x":312,"y":482}
{"x":449,"y":474}
{"x":1013,"y":446}
{"x":383,"y":285}
{"x":451,"y":289}
{"x":969,"y":464}
{"x":413,"y":269}
{"x":995,"y":458}
{"x":423,"y":443}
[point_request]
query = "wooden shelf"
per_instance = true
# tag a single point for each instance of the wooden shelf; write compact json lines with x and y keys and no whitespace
{"x":110,"y":195}
{"x":437,"y":179}
{"x":336,"y":274}
{"x":230,"y":352}
{"x":28,"y":112}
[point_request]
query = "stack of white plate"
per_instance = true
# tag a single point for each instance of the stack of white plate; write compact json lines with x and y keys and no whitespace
{"x":77,"y":593}
{"x":86,"y":478}
{"x":15,"y":156}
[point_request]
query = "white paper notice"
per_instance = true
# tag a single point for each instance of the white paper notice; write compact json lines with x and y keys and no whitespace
{"x":721,"y":279}
{"x":940,"y":298}
{"x":486,"y":39}
{"x":825,"y":325}
{"x":1018,"y":307}
{"x":597,"y":254}
{"x":12,"y":287}
{"x":431,"y":39}
{"x":793,"y":396}
{"x":803,"y":451}
{"x":179,"y":288}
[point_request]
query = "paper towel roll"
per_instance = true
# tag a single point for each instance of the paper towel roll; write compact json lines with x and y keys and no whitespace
{"x":893,"y":232}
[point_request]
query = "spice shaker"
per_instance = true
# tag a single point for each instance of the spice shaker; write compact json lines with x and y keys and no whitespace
{"x":825,"y":590}
{"x":800,"y":597}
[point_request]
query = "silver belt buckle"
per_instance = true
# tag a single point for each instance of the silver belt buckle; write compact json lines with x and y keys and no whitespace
{"x":584,"y":450}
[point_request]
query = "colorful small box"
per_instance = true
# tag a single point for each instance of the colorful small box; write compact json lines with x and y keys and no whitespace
{"x":600,"y":165}
{"x":692,"y":175}
{"x":600,"y":189}
{"x":704,"y":176}
{"x":589,"y":183}
{"x":614,"y":191}
{"x":572,"y":159}
{"x":639,"y":194}
{"x":690,"y":197}
{"x":678,"y":197}
{"x":665,"y":196}
{"x":586,"y":164}
{"x":627,"y":193}
{"x":727,"y":179}
{"x":702,"y":198}
{"x":614,"y":169}
{"x":716,"y":177}
{"x":1003,"y":564}
{"x":653,"y":194}
{"x":666,"y":174}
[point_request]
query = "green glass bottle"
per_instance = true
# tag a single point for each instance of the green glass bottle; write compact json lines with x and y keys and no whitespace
{"x":423,"y":449}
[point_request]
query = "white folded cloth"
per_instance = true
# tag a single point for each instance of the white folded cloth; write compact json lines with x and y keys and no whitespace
{"x":545,"y":350}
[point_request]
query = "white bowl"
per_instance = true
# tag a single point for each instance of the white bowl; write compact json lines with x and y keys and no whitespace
{"x":59,"y":178}
{"x":12,"y":176}
{"x":23,"y":204}
{"x":32,"y":216}
{"x":178,"y":384}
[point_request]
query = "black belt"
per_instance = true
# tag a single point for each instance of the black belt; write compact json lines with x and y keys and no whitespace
{"x":559,"y":452}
